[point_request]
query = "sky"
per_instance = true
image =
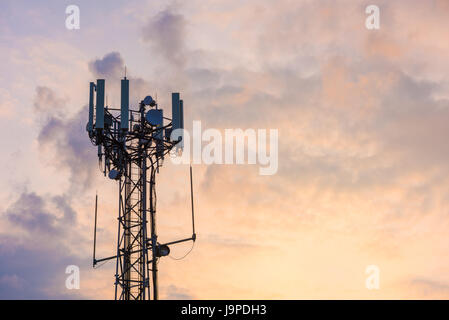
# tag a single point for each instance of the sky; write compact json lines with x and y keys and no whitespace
{"x":362,"y":118}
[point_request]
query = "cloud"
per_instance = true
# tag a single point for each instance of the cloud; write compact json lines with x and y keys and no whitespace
{"x":166,"y":34}
{"x":46,"y":216}
{"x":176,"y":293}
{"x":63,"y":137}
{"x":62,"y":203}
{"x":36,"y":271}
{"x":29,"y":213}
{"x":110,"y":66}
{"x":66,"y":140}
{"x":46,"y":100}
{"x":38,"y":248}
{"x":430,"y":287}
{"x":362,"y":161}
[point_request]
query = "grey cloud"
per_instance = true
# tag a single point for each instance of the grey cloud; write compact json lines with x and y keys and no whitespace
{"x":110,"y":66}
{"x":33,"y":260}
{"x":67,"y":138}
{"x":413,"y":125}
{"x":36,"y":271}
{"x":63,"y":203}
{"x":30,"y":212}
{"x":72,"y":148}
{"x":51,"y":130}
{"x":166,"y":33}
{"x":204,"y":77}
{"x":47,"y":101}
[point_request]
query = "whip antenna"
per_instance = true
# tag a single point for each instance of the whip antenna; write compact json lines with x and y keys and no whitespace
{"x":193,"y":210}
{"x":94,"y":262}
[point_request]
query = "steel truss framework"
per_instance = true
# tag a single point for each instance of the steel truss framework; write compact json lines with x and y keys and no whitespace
{"x":135,"y":155}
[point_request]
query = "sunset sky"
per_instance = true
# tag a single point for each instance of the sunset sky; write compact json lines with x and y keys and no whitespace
{"x":363,"y":120}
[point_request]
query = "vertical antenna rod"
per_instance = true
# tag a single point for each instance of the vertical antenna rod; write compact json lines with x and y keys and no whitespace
{"x":94,"y":262}
{"x":193,"y":211}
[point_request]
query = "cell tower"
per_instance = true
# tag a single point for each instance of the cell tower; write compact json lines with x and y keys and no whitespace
{"x":133,"y":144}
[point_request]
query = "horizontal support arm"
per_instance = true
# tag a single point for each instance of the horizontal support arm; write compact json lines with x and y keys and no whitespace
{"x":104,"y":259}
{"x":192,"y":238}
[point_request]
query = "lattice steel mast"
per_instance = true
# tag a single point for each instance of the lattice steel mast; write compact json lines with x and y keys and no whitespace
{"x":133,"y":144}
